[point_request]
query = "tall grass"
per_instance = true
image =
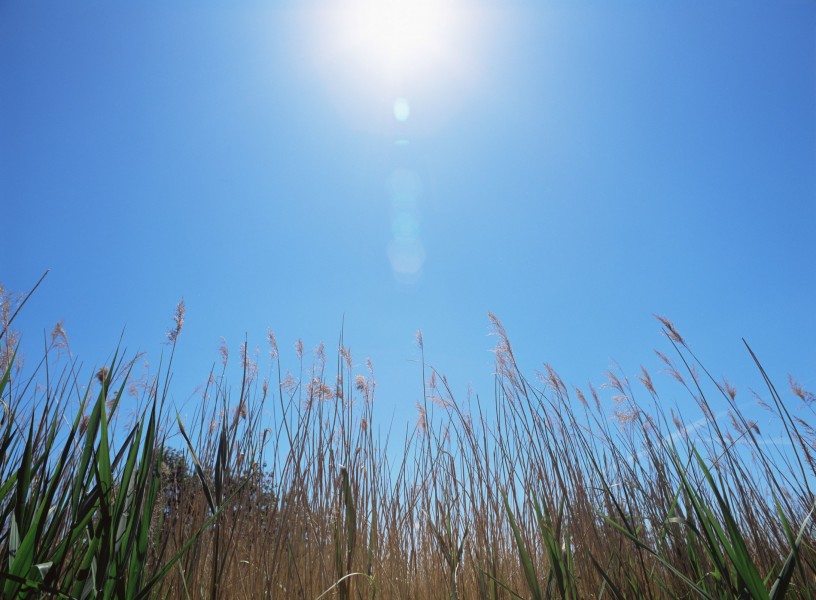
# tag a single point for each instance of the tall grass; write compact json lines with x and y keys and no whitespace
{"x":288,"y":486}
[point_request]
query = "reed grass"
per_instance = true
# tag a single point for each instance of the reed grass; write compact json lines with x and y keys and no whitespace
{"x":289,"y":487}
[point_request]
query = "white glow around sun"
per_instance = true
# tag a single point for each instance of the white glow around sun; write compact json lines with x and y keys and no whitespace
{"x":381,"y":59}
{"x":394,"y":39}
{"x":399,"y":34}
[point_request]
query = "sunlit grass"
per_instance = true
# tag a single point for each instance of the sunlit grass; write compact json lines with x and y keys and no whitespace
{"x":288,"y":486}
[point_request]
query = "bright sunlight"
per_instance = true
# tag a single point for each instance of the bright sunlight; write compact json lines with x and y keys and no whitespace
{"x":394,"y":40}
{"x":376,"y":56}
{"x":399,"y":35}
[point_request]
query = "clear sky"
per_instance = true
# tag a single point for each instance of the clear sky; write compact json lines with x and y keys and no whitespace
{"x":573,"y":167}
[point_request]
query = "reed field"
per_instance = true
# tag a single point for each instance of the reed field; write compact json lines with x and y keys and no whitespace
{"x":286,"y":483}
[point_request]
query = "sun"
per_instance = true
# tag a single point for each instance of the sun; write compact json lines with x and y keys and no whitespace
{"x":400,"y":34}
{"x":395,"y":37}
{"x":383,"y":61}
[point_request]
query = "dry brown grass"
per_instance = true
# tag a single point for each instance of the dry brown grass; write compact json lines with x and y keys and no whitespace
{"x":543,"y":492}
{"x":616,"y":491}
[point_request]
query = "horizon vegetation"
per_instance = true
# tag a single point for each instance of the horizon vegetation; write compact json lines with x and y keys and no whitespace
{"x":287,"y":486}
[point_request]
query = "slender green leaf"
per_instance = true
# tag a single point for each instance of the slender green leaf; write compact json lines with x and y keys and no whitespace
{"x":524,"y":555}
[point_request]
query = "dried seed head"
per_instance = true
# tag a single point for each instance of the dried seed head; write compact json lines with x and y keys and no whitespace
{"x":595,"y":398}
{"x":4,"y":305}
{"x":346,"y":354}
{"x":83,"y":424}
{"x":503,"y":351}
{"x":320,"y":356}
{"x":676,"y":374}
{"x":693,"y":373}
{"x":467,"y":422}
{"x":677,"y":422}
{"x":250,"y":366}
{"x":7,"y":350}
{"x":102,"y":374}
{"x":440,"y":401}
{"x":223,"y":351}
{"x":729,"y":389}
{"x":737,"y":427}
{"x":289,"y":383}
{"x":670,"y":330}
{"x":626,"y":417}
{"x":8,"y":302}
{"x":422,"y":421}
{"x":664,"y":358}
{"x":554,"y":380}
{"x":318,"y":390}
{"x":273,"y":344}
{"x":614,"y":383}
{"x":58,"y":336}
{"x":178,"y":319}
{"x":581,"y":397}
{"x":646,"y":380}
{"x":670,"y":368}
{"x":804,"y":395}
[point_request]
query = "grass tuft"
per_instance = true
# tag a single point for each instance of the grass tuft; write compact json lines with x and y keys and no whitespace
{"x":286,"y":486}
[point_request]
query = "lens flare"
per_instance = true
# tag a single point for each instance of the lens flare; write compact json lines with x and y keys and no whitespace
{"x":402,"y":110}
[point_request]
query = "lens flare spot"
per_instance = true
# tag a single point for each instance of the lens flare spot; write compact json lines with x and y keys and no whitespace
{"x":407,"y":256}
{"x":404,"y":224}
{"x":404,"y":182}
{"x":402,"y":110}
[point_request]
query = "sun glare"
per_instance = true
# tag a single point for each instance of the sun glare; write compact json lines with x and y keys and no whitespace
{"x":395,"y":37}
{"x":399,"y":34}
{"x":380,"y":59}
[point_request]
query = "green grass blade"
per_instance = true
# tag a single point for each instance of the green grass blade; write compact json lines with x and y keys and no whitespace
{"x":780,"y":586}
{"x":199,"y":469}
{"x":21,"y":515}
{"x":501,"y":584}
{"x":524,"y":555}
{"x":734,"y":543}
{"x":632,"y":537}
{"x":161,"y":573}
{"x":351,"y":516}
{"x":608,"y":581}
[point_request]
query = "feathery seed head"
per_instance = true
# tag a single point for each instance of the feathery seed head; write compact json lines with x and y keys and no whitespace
{"x":803,"y":394}
{"x":361,"y":384}
{"x":178,"y":319}
{"x":273,"y":344}
{"x":670,"y":330}
{"x":58,"y":336}
{"x":223,"y":351}
{"x":422,"y":421}
{"x":729,"y":389}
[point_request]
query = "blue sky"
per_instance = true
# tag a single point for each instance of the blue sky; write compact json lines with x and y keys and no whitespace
{"x":572,"y":167}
